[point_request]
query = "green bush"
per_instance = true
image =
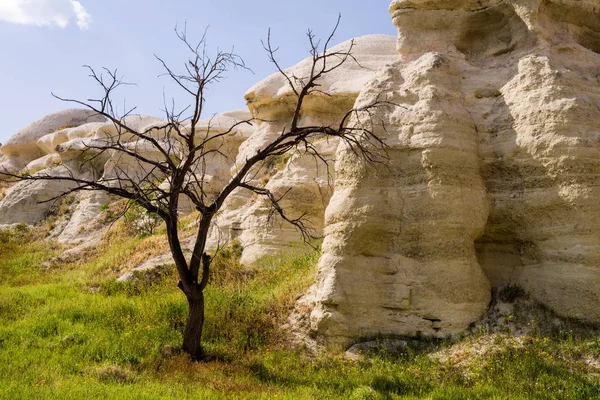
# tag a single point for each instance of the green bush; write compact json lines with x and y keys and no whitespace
{"x":140,"y":222}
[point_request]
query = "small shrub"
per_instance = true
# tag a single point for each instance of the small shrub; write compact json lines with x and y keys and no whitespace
{"x":19,"y":234}
{"x":510,"y":293}
{"x":140,"y":222}
{"x":364,"y":393}
{"x":62,"y":207}
{"x":279,"y":162}
{"x":226,"y":266}
{"x":175,"y":313}
{"x":113,"y":211}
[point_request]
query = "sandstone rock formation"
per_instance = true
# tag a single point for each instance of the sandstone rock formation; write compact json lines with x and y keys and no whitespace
{"x":308,"y":181}
{"x":81,"y":227}
{"x":399,"y":254}
{"x":30,"y":150}
{"x":22,"y":148}
{"x":27,"y":202}
{"x":492,"y":176}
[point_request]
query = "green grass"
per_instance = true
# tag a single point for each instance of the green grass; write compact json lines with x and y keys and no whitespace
{"x":69,"y":331}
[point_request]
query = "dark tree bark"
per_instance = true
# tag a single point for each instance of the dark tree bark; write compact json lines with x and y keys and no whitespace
{"x":194,"y":292}
{"x":192,"y":333}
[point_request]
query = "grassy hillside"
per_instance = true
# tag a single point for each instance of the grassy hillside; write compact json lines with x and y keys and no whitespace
{"x":68,"y":330}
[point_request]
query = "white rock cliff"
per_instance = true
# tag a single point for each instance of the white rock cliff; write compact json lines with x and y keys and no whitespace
{"x":493,"y":173}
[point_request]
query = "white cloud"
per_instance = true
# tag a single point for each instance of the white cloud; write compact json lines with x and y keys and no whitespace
{"x":83,"y":17}
{"x":45,"y":12}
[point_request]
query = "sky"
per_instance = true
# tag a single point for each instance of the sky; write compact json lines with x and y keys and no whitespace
{"x":45,"y":43}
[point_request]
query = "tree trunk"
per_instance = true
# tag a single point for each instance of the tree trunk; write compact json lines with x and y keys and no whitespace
{"x":192,"y":334}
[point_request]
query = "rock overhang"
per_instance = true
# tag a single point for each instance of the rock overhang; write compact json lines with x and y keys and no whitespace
{"x":273,"y":96}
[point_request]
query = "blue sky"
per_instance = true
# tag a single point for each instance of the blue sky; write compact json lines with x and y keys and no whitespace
{"x":45,"y":43}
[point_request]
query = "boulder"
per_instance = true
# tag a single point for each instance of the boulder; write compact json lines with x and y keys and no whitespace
{"x":222,"y":136}
{"x":122,"y":169}
{"x":11,"y":166}
{"x":83,"y":131}
{"x":149,"y":270}
{"x":140,"y":124}
{"x":48,"y":143}
{"x":47,"y":161}
{"x":225,"y":133}
{"x":28,"y":201}
{"x":304,"y":184}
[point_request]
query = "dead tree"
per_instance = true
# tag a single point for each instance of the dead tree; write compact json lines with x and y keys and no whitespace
{"x":180,"y":150}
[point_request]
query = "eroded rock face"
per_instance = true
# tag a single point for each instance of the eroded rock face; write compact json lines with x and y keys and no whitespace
{"x":22,"y":148}
{"x":493,"y":177}
{"x":399,"y":255}
{"x":273,"y":98}
{"x":28,"y":202}
{"x":80,"y":228}
{"x":306,"y":181}
{"x":216,"y":171}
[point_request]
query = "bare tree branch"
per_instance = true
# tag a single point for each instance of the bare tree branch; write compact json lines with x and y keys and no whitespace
{"x":157,"y":164}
